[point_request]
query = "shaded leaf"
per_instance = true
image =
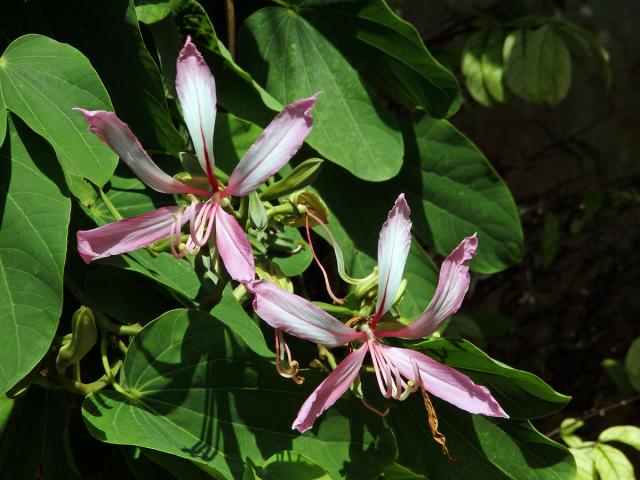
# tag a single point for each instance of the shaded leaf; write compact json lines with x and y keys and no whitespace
{"x":632,"y":363}
{"x":622,"y":433}
{"x":33,"y":245}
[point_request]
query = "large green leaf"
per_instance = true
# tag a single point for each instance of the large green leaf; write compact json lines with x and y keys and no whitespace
{"x":520,"y":393}
{"x":628,"y":434}
{"x":537,"y":65}
{"x":454,"y":192}
{"x":41,"y":81}
{"x":482,"y":448}
{"x":612,"y":464}
{"x":152,"y":11}
{"x":391,"y":51}
{"x":33,"y":245}
{"x":109,"y":35}
{"x":288,"y":55}
{"x":199,"y":398}
{"x":451,"y":188}
{"x":35,"y":439}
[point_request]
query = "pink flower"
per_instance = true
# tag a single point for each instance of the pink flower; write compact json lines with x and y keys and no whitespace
{"x":399,"y":371}
{"x":272,"y":150}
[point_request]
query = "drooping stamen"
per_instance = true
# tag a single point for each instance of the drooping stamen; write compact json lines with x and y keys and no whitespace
{"x":287,"y":368}
{"x":374,"y":409}
{"x":433,"y":424}
{"x":175,"y":235}
{"x":390,"y":380}
{"x":315,"y":257}
{"x":338,"y":252}
{"x":204,"y":220}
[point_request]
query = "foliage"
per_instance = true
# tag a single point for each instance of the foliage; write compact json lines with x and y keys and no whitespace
{"x":164,"y":358}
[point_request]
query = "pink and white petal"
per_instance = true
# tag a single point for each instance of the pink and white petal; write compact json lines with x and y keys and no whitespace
{"x":330,"y":390}
{"x":445,"y":382}
{"x":234,"y":247}
{"x":196,"y":90}
{"x":117,"y":135}
{"x":282,"y":138}
{"x":393,"y":249}
{"x":452,"y":287}
{"x":128,"y":234}
{"x":299,"y":317}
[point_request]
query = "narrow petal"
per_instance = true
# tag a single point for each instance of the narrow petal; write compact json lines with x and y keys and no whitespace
{"x":329,"y":391}
{"x":197,"y":93}
{"x":117,"y":135}
{"x":274,"y":148}
{"x":445,"y":382}
{"x":452,"y":287}
{"x":234,"y":247}
{"x":128,"y":234}
{"x":393,"y":249}
{"x":299,"y":317}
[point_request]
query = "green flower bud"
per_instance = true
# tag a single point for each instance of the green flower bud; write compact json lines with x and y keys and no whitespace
{"x":301,"y":176}
{"x":84,"y":335}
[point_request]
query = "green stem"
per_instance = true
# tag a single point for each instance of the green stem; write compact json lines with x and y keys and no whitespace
{"x":110,"y":206}
{"x":240,"y":293}
{"x":243,"y":211}
{"x":326,"y":354}
{"x":282,"y":209}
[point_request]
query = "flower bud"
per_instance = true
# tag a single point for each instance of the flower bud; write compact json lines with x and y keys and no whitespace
{"x":83,"y":337}
{"x":301,"y":176}
{"x":257,"y":213}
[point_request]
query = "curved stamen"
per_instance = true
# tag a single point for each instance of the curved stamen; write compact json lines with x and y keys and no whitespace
{"x":315,"y":257}
{"x":286,"y":368}
{"x":202,"y":220}
{"x":175,"y":235}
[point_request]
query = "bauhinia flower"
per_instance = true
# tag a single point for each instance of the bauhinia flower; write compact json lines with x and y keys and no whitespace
{"x":399,"y":371}
{"x":272,"y":150}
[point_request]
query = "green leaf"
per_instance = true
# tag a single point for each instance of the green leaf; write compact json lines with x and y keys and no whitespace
{"x":33,"y":245}
{"x":35,"y":439}
{"x":622,"y":433}
{"x":472,"y":67}
{"x":3,"y":119}
{"x":451,"y":188}
{"x":520,"y":393}
{"x":398,"y":472}
{"x":288,"y":55}
{"x":289,"y":465}
{"x":231,"y":313}
{"x":492,"y":67}
{"x":483,"y":448}
{"x":233,"y":137}
{"x":584,"y":462}
{"x":109,"y":35}
{"x":296,"y":263}
{"x":152,"y":11}
{"x":182,"y":469}
{"x":454,"y":192}
{"x":632,"y":363}
{"x":200,"y":395}
{"x":537,"y":65}
{"x":41,"y":81}
{"x":612,"y":464}
{"x":391,"y":51}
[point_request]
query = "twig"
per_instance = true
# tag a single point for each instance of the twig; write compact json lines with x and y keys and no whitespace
{"x":597,"y":412}
{"x":231,"y":27}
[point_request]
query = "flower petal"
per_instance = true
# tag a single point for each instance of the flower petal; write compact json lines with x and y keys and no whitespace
{"x":452,"y":287}
{"x":330,"y":390}
{"x":393,"y":249}
{"x":445,"y":382}
{"x":128,"y":234}
{"x":299,"y":317}
{"x":196,"y":90}
{"x":117,"y":135}
{"x":274,"y":148}
{"x":234,"y":247}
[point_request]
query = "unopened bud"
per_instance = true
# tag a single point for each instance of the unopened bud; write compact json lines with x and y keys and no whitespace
{"x":257,"y":213}
{"x":301,"y":176}
{"x":83,"y":337}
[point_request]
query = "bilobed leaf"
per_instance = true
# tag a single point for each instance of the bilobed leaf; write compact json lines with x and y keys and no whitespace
{"x":293,"y":59}
{"x":292,"y":264}
{"x":632,"y":364}
{"x":41,"y":81}
{"x":202,"y":396}
{"x":33,"y":245}
{"x":522,"y":394}
{"x":483,"y":448}
{"x":391,"y":51}
{"x":622,"y":433}
{"x":472,"y":67}
{"x":612,"y":464}
{"x":537,"y":65}
{"x":152,"y":11}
